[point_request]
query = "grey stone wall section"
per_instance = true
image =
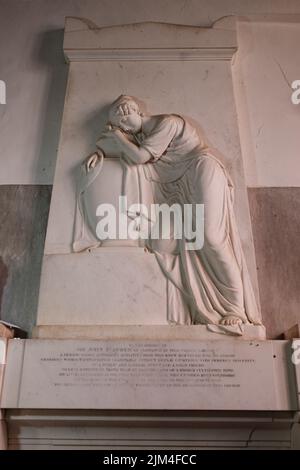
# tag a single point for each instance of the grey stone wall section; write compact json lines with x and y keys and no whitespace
{"x":23,"y":221}
{"x":275,"y":215}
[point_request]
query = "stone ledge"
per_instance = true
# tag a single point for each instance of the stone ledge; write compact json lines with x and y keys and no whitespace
{"x":136,"y":332}
{"x":94,"y":429}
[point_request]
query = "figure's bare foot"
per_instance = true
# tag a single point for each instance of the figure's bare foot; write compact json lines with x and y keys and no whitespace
{"x":231,"y":320}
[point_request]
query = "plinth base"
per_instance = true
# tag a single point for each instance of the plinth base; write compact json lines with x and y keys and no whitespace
{"x":148,"y":332}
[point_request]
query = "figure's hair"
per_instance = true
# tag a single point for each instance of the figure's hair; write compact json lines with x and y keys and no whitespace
{"x":114,"y":110}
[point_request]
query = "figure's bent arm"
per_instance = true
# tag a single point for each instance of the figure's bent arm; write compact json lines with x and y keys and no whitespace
{"x":135,"y":154}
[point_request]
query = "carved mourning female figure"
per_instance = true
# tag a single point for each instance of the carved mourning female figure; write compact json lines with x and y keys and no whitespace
{"x":210,"y":285}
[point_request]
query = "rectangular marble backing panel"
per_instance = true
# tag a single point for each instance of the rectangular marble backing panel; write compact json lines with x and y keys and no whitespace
{"x":105,"y":287}
{"x":201,"y":91}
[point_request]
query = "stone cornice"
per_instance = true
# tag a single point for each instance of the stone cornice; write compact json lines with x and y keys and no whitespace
{"x":84,"y":41}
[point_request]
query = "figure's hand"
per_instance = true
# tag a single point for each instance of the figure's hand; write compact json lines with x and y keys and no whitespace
{"x":124,"y":109}
{"x":91,"y":162}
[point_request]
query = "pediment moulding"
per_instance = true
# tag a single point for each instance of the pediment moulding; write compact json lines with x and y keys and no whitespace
{"x":85,"y":41}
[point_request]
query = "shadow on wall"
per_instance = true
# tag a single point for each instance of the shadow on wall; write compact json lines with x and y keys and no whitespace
{"x":50,"y":55}
{"x":24,"y":209}
{"x":23,"y":221}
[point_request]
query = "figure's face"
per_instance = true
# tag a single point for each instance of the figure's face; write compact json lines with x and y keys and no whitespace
{"x":130,"y":123}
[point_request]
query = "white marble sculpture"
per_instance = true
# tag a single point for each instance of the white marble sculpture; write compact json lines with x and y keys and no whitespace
{"x":165,"y":155}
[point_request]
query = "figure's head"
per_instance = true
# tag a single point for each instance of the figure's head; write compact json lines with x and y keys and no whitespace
{"x":125,"y":113}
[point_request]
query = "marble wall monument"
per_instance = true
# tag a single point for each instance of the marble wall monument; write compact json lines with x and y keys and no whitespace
{"x":144,"y":324}
{"x":183,"y":76}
